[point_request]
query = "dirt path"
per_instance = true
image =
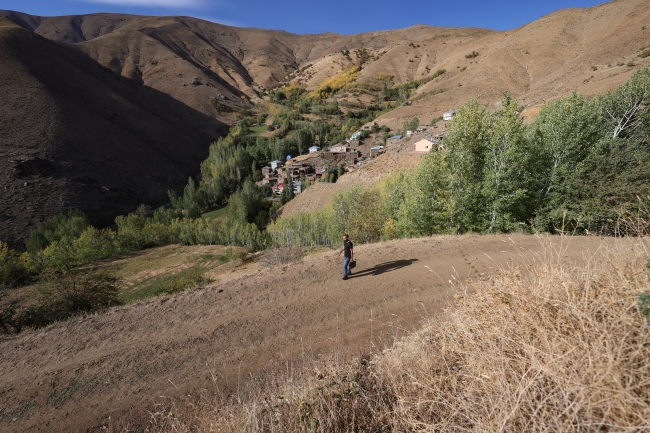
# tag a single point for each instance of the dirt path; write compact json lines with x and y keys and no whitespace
{"x":73,"y":376}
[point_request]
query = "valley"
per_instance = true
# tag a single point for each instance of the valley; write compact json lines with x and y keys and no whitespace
{"x":174,"y":192}
{"x":167,"y":69}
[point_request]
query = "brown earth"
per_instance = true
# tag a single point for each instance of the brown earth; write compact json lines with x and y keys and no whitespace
{"x":137,"y":89}
{"x":79,"y":375}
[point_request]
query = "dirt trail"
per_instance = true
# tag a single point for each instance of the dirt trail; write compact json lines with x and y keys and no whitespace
{"x":74,"y":375}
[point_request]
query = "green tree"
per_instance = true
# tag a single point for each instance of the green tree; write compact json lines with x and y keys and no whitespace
{"x":288,"y":193}
{"x":467,"y":143}
{"x":189,"y":204}
{"x":562,"y":139}
{"x":69,"y":225}
{"x":505,"y":183}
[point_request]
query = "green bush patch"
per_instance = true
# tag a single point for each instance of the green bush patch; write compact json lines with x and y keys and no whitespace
{"x":187,"y":279}
{"x":216,"y":213}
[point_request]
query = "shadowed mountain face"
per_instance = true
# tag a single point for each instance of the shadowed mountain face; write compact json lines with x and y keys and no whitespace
{"x":117,"y":106}
{"x":75,"y":135}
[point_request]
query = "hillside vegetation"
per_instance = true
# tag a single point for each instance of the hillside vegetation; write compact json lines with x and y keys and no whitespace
{"x":575,"y":168}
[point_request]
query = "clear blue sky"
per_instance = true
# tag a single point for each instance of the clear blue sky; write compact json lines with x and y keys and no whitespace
{"x":338,"y":16}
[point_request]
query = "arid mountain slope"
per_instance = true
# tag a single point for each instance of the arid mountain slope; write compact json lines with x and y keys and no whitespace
{"x":172,"y":66}
{"x":591,"y":50}
{"x":552,"y":56}
{"x":77,"y":136}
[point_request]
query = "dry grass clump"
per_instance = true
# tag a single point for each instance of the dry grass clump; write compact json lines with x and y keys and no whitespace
{"x":282,"y":256}
{"x":550,"y":346}
{"x":562,"y":349}
{"x":326,"y":397}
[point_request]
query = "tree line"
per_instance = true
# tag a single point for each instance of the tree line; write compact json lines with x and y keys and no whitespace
{"x":574,"y":168}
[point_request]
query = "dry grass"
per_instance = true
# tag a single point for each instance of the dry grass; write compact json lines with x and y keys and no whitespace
{"x":563,"y":348}
{"x":547,"y":347}
{"x":282,"y":256}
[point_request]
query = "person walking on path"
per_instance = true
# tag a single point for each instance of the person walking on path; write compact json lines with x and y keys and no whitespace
{"x":347,"y":257}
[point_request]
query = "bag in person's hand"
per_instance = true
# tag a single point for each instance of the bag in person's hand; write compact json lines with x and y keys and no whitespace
{"x":353,"y":264}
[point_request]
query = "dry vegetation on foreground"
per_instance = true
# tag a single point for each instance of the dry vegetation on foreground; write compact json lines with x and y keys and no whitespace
{"x":549,"y":346}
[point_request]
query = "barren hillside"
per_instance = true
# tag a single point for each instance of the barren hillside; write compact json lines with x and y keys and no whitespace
{"x":139,"y":88}
{"x":537,"y":62}
{"x":77,"y":136}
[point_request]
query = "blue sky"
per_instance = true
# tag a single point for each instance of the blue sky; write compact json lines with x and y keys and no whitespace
{"x":338,"y":16}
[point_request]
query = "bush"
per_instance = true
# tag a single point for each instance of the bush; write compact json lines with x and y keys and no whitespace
{"x":15,"y":269}
{"x":472,"y":55}
{"x":281,"y":256}
{"x":69,"y":225}
{"x":64,"y":294}
{"x":644,"y":306}
{"x":644,"y":53}
{"x":187,"y":279}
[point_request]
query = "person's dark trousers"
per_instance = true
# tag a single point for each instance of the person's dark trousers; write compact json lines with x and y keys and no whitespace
{"x":346,"y":267}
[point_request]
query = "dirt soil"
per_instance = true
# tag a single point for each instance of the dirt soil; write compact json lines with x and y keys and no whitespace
{"x":81,"y":374}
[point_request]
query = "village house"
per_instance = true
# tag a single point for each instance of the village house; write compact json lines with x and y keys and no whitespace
{"x":269,"y":176}
{"x":299,"y":170}
{"x":276,"y":164}
{"x":394,"y":138}
{"x":376,"y":150}
{"x":449,"y":115}
{"x":425,"y":145}
{"x":342,"y":153}
{"x":314,"y":149}
{"x":279,"y":188}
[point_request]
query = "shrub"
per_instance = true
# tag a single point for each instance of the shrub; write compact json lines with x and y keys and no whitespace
{"x":187,"y":279}
{"x":64,"y":294}
{"x":644,"y":306}
{"x":472,"y":55}
{"x":15,"y":269}
{"x":645,"y":53}
{"x":281,"y":256}
{"x":69,"y":225}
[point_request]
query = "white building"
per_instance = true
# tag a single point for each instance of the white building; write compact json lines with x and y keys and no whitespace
{"x":449,"y":115}
{"x":314,"y":149}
